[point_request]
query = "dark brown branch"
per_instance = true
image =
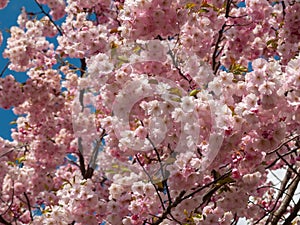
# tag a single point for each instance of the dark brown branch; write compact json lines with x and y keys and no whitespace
{"x":3,"y":221}
{"x":215,"y":64}
{"x":283,"y":155}
{"x":293,"y":214}
{"x":181,"y":196}
{"x":288,"y":164}
{"x":92,"y":164}
{"x":283,"y":8}
{"x":49,"y":17}
{"x":217,"y":51}
{"x":12,"y":201}
{"x":164,"y":180}
{"x":261,"y":207}
{"x":29,"y":206}
{"x":177,"y":201}
{"x":5,"y":67}
{"x":88,"y":173}
{"x":5,"y":153}
{"x":282,"y":144}
{"x":224,"y":176}
{"x":282,"y":189}
{"x":80,"y":155}
{"x":83,"y":67}
{"x":176,"y":66}
{"x":151,"y":180}
{"x":286,"y":201}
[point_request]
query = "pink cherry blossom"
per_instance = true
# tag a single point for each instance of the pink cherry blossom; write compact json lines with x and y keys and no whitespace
{"x":151,"y":112}
{"x":3,"y":3}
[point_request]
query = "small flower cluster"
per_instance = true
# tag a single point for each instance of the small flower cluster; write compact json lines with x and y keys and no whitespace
{"x":148,"y":19}
{"x":24,"y":48}
{"x":82,"y":38}
{"x":11,"y":93}
{"x":57,"y":8}
{"x":3,"y":3}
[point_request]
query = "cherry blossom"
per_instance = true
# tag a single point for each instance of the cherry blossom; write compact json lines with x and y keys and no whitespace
{"x":151,"y":112}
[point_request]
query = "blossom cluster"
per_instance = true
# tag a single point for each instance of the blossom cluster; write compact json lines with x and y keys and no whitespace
{"x":26,"y":49}
{"x":175,"y":114}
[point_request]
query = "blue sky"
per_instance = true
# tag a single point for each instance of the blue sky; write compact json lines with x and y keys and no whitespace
{"x":8,"y":18}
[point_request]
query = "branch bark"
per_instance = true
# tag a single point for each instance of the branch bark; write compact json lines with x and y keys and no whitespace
{"x":286,"y":201}
{"x":293,"y":214}
{"x":282,"y":189}
{"x":29,"y":206}
{"x":2,"y":220}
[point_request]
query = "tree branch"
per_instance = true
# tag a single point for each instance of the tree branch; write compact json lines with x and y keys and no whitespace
{"x":282,"y":189}
{"x":83,"y":67}
{"x":282,"y":144}
{"x":2,"y":220}
{"x":5,"y":67}
{"x":49,"y":17}
{"x":288,"y":164}
{"x":216,"y":53}
{"x":168,"y":210}
{"x":29,"y":206}
{"x":151,"y":180}
{"x":286,"y":201}
{"x":293,"y":214}
{"x":164,"y":180}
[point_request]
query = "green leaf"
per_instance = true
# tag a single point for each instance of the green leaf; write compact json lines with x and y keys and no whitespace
{"x":21,"y":159}
{"x":225,"y":180}
{"x":190,"y":5}
{"x":175,"y":99}
{"x":110,"y":171}
{"x":170,"y":160}
{"x":13,"y":122}
{"x":194,"y":92}
{"x":203,"y":10}
{"x":272,"y":43}
{"x":137,"y":49}
{"x":116,"y":166}
{"x":153,"y":81}
{"x":125,"y":169}
{"x":10,"y":163}
{"x":175,"y":91}
{"x":238,"y":69}
{"x":123,"y":59}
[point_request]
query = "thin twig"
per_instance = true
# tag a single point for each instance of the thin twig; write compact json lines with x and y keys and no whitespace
{"x":217,"y":52}
{"x":282,"y":189}
{"x":227,"y":174}
{"x":80,"y":155}
{"x":92,"y":164}
{"x":283,"y":155}
{"x":2,"y":220}
{"x":12,"y":201}
{"x":293,"y":214}
{"x":164,"y":180}
{"x":83,"y":67}
{"x":49,"y":17}
{"x":177,"y":201}
{"x":5,"y":153}
{"x":282,"y":144}
{"x":288,"y":164}
{"x":29,"y":206}
{"x":286,"y":201}
{"x":151,"y":180}
{"x":5,"y":67}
